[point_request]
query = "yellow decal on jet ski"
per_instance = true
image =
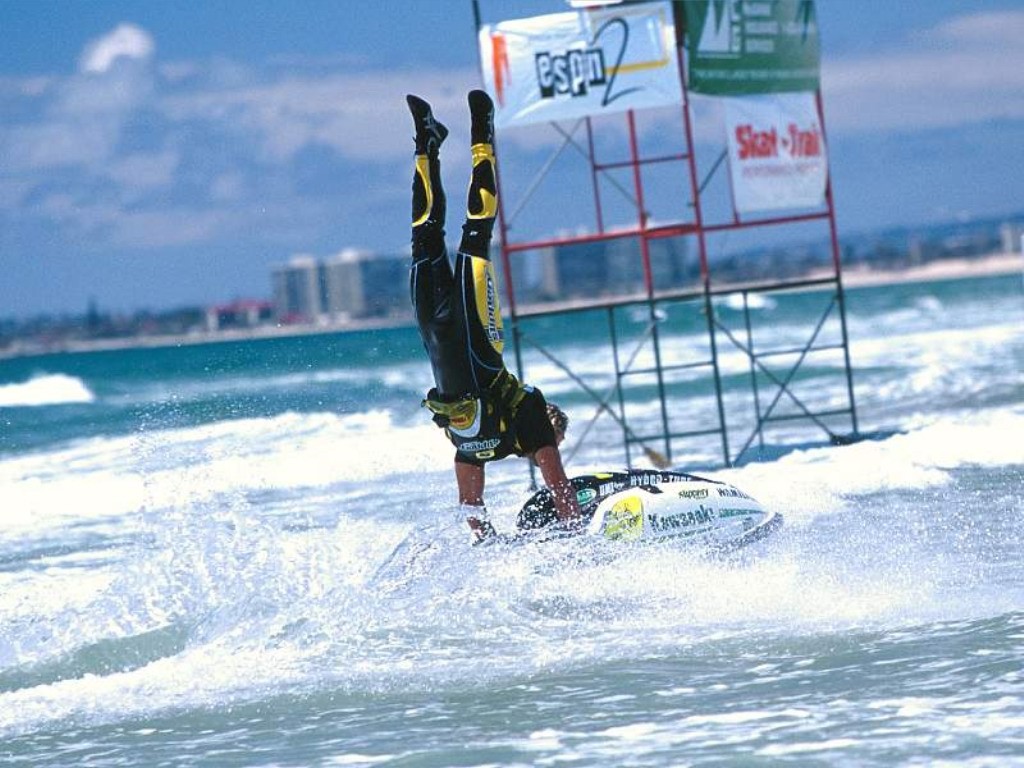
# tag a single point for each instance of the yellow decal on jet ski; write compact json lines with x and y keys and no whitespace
{"x":625,"y":520}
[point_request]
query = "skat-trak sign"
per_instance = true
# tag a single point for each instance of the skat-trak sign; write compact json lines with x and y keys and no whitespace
{"x":776,"y":152}
{"x":795,"y":142}
{"x":589,"y":62}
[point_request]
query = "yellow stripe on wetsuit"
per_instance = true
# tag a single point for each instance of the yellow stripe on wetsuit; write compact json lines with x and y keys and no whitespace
{"x":423,"y":179}
{"x":482,"y":184}
{"x":488,"y":305}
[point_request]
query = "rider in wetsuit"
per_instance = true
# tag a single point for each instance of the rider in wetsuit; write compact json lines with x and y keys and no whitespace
{"x":484,"y":410}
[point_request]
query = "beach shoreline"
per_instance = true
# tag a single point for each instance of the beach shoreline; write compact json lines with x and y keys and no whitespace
{"x":858,"y":276}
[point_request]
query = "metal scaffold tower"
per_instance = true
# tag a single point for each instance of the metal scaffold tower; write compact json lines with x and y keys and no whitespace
{"x":692,"y":349}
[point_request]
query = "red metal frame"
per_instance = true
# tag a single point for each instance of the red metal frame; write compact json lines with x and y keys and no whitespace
{"x":699,"y":229}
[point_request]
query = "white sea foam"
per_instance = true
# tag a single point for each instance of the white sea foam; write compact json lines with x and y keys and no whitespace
{"x":264,"y":608}
{"x":755,"y":301}
{"x":105,"y":479}
{"x":327,"y":613}
{"x":806,"y":483}
{"x":45,"y":389}
{"x":410,"y":377}
{"x":184,"y":571}
{"x":320,"y":616}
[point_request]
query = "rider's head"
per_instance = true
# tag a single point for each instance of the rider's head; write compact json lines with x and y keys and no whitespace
{"x":559,"y":421}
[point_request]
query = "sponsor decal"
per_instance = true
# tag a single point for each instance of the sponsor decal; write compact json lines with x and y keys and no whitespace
{"x":776,"y":151}
{"x":795,"y":143}
{"x":495,"y":332}
{"x":666,"y":523}
{"x":572,"y":73}
{"x":585,"y":495}
{"x":488,"y":306}
{"x":645,"y":479}
{"x":625,"y":520}
{"x":499,"y":63}
{"x":733,"y":493}
{"x":480,"y":445}
{"x":732,"y":512}
{"x":694,"y":493}
{"x":743,"y":47}
{"x":565,"y":66}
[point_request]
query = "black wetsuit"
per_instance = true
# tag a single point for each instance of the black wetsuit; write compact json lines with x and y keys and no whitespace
{"x":459,"y":317}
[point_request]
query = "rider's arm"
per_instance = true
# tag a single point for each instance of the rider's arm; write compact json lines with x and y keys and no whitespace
{"x":549,"y":460}
{"x":470,"y":478}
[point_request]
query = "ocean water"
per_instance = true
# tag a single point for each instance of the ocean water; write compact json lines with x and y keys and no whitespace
{"x":246,"y":554}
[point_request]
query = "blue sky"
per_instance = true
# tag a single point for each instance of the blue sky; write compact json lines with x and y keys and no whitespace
{"x":157,"y":154}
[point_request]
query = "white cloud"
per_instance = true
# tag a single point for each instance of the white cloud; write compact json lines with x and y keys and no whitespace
{"x":13,"y":192}
{"x":984,"y":29}
{"x":966,"y":70}
{"x":80,"y":119}
{"x":53,"y":144}
{"x":167,"y":227}
{"x":24,"y":86}
{"x":127,"y":40}
{"x":227,"y":188}
{"x":138,"y":173}
{"x":109,"y":222}
{"x":362,"y":116}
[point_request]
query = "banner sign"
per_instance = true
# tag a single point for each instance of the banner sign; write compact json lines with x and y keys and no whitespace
{"x":776,"y":152}
{"x":583,"y":63}
{"x":752,"y":46}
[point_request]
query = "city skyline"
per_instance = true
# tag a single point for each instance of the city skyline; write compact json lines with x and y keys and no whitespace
{"x":161,"y":155}
{"x":353,"y":287}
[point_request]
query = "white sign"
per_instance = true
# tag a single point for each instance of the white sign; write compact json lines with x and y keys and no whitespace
{"x":776,"y":152}
{"x":591,"y":62}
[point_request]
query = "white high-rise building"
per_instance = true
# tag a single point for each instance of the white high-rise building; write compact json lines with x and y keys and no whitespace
{"x":345,"y":290}
{"x":298,"y":292}
{"x":1012,"y":236}
{"x":352,"y":284}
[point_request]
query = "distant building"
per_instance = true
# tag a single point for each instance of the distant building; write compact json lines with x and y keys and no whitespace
{"x":350,"y":285}
{"x":344,"y":287}
{"x":604,"y":267}
{"x":246,"y":313}
{"x":1011,"y":234}
{"x":365,"y":284}
{"x":388,"y":279}
{"x":298,"y":290}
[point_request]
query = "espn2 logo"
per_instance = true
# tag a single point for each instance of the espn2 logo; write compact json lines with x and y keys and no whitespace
{"x":571,"y":73}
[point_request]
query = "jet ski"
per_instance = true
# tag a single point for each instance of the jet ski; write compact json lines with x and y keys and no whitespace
{"x":640,"y":505}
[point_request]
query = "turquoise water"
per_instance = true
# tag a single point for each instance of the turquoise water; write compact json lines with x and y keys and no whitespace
{"x":196,"y":559}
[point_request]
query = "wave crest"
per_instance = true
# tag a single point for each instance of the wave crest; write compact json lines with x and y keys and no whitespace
{"x":46,"y":389}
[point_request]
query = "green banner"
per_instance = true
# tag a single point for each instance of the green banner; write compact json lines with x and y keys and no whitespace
{"x":740,"y":47}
